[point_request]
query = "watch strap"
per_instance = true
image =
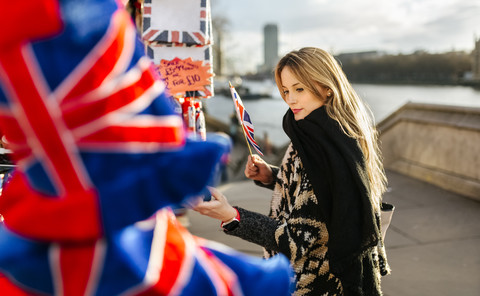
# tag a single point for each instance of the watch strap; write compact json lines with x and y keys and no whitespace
{"x":232,"y":223}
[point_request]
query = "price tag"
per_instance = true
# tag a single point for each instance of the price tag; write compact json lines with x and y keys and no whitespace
{"x":184,"y":75}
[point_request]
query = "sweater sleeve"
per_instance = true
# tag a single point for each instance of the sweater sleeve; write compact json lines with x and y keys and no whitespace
{"x":256,"y":228}
{"x":293,"y":239}
{"x":270,"y":186}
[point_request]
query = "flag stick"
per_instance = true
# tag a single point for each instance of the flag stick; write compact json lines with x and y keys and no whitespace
{"x":243,"y":130}
{"x":248,"y":145}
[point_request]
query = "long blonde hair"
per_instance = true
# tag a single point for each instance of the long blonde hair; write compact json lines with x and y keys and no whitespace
{"x":314,"y":67}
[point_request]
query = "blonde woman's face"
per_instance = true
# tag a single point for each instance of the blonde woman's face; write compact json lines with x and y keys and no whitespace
{"x":300,"y":100}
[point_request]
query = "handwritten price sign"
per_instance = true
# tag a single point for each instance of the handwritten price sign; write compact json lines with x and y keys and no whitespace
{"x":184,"y":75}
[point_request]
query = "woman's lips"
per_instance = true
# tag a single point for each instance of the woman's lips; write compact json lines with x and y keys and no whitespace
{"x":295,"y":111}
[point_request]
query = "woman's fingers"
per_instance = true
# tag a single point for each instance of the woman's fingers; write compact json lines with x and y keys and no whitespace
{"x":251,"y":170}
{"x":207,"y":207}
{"x":217,"y":208}
{"x":256,"y":159}
{"x":216,"y":194}
{"x":214,"y":204}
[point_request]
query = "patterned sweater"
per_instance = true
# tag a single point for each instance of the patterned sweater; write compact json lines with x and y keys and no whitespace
{"x":295,"y":229}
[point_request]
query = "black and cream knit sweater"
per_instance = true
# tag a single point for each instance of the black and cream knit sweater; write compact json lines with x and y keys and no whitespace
{"x":295,"y":229}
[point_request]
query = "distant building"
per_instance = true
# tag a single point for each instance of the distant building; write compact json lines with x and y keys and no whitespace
{"x":476,"y":60}
{"x":270,"y":32}
{"x":270,"y":48}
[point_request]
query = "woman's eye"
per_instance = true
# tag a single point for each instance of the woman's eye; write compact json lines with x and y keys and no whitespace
{"x":299,"y":89}
{"x":285,"y":92}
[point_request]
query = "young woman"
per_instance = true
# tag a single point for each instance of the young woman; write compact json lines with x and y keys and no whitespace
{"x":327,"y":192}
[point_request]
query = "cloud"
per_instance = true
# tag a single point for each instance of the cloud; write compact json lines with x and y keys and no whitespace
{"x":353,"y":25}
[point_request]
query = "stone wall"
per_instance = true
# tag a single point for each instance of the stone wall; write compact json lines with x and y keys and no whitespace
{"x":435,"y":143}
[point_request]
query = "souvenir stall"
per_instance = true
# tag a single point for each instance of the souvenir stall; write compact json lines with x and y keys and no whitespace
{"x":178,"y":38}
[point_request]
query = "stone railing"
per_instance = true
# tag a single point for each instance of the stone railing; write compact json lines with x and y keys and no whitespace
{"x":435,"y":143}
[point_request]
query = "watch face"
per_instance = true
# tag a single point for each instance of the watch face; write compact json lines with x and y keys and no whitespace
{"x":231,"y":225}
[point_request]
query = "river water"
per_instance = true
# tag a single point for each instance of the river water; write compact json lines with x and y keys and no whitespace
{"x":266,"y":114}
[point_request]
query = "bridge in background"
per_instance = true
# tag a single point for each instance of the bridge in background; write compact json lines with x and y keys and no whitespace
{"x":437,"y":144}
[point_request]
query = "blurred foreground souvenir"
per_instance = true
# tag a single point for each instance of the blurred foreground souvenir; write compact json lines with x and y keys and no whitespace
{"x":101,"y":157}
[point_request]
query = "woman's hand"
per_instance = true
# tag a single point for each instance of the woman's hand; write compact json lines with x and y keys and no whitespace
{"x":217,"y":208}
{"x":257,"y":169}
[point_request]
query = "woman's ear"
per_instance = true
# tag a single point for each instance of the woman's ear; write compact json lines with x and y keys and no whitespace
{"x":325,"y":92}
{"x":329,"y":93}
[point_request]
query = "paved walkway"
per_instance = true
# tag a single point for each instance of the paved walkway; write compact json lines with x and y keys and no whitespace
{"x":433,"y":243}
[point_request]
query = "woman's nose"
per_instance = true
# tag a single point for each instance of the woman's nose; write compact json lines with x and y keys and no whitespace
{"x":290,"y":99}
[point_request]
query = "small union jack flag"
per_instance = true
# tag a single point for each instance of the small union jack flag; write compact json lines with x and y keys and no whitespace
{"x":245,"y":121}
{"x":101,"y":156}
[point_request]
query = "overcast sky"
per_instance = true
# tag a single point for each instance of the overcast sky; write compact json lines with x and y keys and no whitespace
{"x":339,"y":26}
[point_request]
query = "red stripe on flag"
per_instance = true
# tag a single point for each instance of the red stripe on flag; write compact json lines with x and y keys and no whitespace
{"x":207,"y":92}
{"x":203,"y":14}
{"x":174,"y":255}
{"x":106,"y":52}
{"x":90,"y":111}
{"x":149,"y":34}
{"x":175,"y":36}
{"x":247,"y":133}
{"x":32,"y":19}
{"x":147,"y":10}
{"x":76,"y":263}
{"x":227,"y":276}
{"x":43,"y":211}
{"x":240,"y":110}
{"x":161,"y":136}
{"x":199,"y":37}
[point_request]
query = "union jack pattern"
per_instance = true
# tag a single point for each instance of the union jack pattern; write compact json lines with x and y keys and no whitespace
{"x":57,"y":135}
{"x":152,"y":257}
{"x":199,"y":33}
{"x":245,"y":121}
{"x":100,"y":157}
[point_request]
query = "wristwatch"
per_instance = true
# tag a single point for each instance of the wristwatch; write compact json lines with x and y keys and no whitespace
{"x":231,"y":224}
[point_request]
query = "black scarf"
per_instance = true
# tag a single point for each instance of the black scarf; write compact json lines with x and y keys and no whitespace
{"x":335,"y":166}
